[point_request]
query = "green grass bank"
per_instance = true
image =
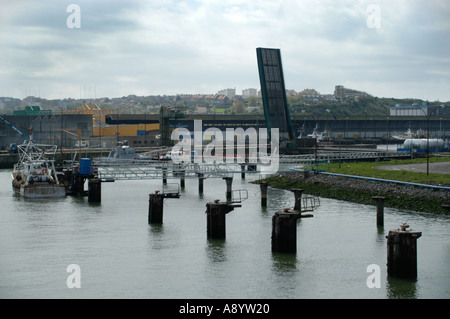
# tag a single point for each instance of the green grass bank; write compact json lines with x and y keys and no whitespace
{"x":401,"y":196}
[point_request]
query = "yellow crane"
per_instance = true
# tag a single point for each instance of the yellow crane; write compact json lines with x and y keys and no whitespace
{"x":97,"y":113}
{"x":78,"y":135}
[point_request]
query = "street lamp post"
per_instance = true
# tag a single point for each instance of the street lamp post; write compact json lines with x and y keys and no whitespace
{"x":428,"y":135}
{"x":387,"y":138}
{"x":316,"y":137}
{"x":428,"y":143}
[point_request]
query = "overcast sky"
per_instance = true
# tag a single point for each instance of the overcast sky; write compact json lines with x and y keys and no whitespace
{"x":387,"y":48}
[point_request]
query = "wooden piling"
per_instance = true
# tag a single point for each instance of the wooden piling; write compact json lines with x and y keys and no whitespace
{"x":402,"y":252}
{"x":215,"y":219}
{"x":263,"y":186}
{"x":94,"y":190}
{"x":379,"y":201}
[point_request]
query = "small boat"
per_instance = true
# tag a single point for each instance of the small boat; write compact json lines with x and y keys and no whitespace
{"x":123,"y":152}
{"x":321,"y":137}
{"x":34,"y":175}
{"x":407,"y":135}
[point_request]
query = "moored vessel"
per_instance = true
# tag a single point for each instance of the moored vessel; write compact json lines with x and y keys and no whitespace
{"x":35,"y":175}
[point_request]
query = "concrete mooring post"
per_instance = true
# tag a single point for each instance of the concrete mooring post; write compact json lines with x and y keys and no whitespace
{"x":284,"y":231}
{"x":297,"y":198}
{"x":402,"y":252}
{"x":263,"y":186}
{"x":243,"y":171}
{"x":156,"y":206}
{"x":379,"y":201}
{"x":77,"y":185}
{"x":164,"y":174}
{"x":200,"y":182}
{"x":94,"y":190}
{"x":215,"y":218}
{"x":229,"y":181}
{"x":284,"y":225}
{"x":182,"y":179}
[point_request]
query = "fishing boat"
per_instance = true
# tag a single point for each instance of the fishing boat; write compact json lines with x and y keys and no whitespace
{"x":34,"y":175}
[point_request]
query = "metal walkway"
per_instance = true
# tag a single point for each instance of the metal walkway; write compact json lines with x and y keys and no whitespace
{"x":154,"y":169}
{"x":141,"y":169}
{"x":337,"y":155}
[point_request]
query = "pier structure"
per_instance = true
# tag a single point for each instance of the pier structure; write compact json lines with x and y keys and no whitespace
{"x":263,"y":187}
{"x":76,"y":177}
{"x":284,"y":223}
{"x":215,"y":218}
{"x":216,"y":211}
{"x":156,"y":204}
{"x":402,"y":252}
{"x":200,"y":182}
{"x":229,"y":181}
{"x":156,"y":169}
{"x":379,"y":201}
{"x":109,"y":170}
{"x":147,"y":169}
{"x":94,"y":190}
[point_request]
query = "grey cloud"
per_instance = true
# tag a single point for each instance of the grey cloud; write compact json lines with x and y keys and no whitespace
{"x":174,"y":46}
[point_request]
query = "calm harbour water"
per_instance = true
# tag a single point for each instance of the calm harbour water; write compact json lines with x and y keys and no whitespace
{"x":121,"y":256}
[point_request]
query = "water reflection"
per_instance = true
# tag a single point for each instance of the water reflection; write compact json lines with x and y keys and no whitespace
{"x":381,"y":235}
{"x":156,"y":236}
{"x":216,"y":250}
{"x":401,"y":288}
{"x":284,"y":263}
{"x":94,"y":204}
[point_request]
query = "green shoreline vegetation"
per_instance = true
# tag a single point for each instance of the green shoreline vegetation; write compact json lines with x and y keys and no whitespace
{"x":361,"y":191}
{"x":367,"y":169}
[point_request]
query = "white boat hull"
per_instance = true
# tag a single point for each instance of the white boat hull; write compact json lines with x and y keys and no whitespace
{"x":42,"y":190}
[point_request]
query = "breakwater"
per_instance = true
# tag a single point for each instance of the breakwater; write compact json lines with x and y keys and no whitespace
{"x":400,"y":196}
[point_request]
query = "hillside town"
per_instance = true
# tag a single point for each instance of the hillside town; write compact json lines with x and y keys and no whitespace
{"x":343,"y":101}
{"x":226,"y":101}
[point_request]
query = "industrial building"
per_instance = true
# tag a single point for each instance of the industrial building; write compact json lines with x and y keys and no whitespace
{"x":57,"y":129}
{"x":106,"y":128}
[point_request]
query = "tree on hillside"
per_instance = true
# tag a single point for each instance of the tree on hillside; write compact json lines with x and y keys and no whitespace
{"x":238,"y":107}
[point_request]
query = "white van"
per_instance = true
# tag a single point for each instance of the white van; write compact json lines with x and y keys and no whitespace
{"x":83,"y":143}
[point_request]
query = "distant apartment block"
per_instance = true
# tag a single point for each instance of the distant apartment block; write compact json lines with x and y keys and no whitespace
{"x":230,"y":93}
{"x":249,"y":92}
{"x":339,"y":91}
